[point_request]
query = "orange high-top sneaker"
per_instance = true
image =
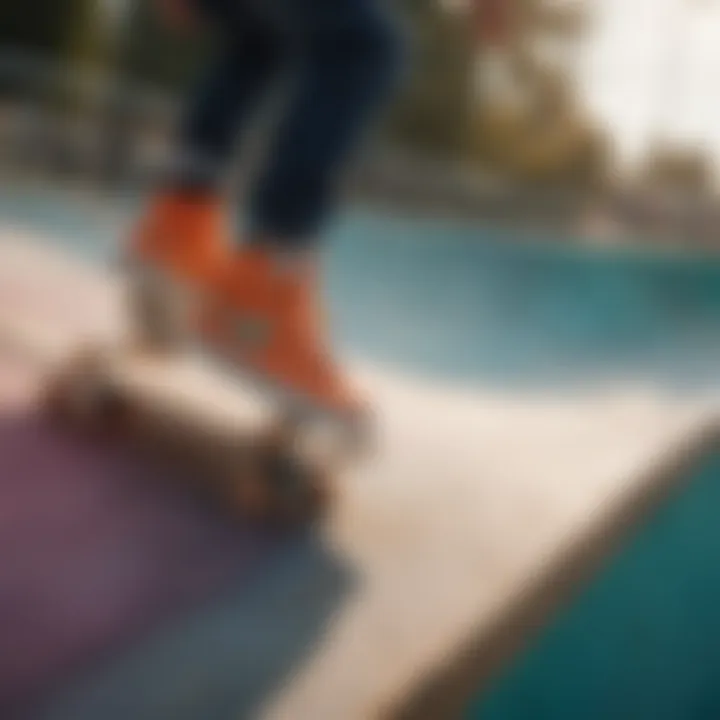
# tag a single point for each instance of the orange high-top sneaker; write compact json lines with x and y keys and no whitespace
{"x":183,"y":234}
{"x":264,"y":318}
{"x":173,"y":259}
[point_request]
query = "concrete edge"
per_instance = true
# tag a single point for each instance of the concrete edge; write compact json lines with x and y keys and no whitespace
{"x":446,"y":692}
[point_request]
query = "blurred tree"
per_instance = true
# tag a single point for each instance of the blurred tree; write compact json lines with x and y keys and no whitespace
{"x":433,"y":113}
{"x":158,"y":56}
{"x":528,"y":122}
{"x":33,"y":24}
{"x":52,"y":29}
{"x":82,"y":31}
{"x":492,"y":80}
{"x":679,"y":170}
{"x":84,"y":39}
{"x":497,"y":90}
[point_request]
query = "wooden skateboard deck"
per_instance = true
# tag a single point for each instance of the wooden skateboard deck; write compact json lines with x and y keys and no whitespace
{"x":250,"y":458}
{"x":257,"y":457}
{"x":256,"y":460}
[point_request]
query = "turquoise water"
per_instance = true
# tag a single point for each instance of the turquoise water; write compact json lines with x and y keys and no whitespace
{"x":467,"y":303}
{"x":643,"y":641}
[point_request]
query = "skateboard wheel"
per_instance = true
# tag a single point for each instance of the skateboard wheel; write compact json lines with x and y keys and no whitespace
{"x":79,"y":395}
{"x":300,"y":494}
{"x":274,"y":485}
{"x":253,"y":498}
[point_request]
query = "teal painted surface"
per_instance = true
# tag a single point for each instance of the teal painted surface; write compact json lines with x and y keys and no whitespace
{"x":643,"y":641}
{"x":466,"y":303}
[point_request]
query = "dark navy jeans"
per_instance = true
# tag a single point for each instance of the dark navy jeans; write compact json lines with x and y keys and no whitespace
{"x":340,"y":60}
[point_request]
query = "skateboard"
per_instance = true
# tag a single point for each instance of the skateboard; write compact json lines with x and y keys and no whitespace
{"x":261,"y":458}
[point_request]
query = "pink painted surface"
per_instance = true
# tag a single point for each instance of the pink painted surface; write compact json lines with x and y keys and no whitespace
{"x":94,"y":551}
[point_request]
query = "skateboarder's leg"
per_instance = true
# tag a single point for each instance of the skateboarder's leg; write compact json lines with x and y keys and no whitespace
{"x":185,"y":225}
{"x":347,"y":54}
{"x":245,"y":68}
{"x":346,"y":61}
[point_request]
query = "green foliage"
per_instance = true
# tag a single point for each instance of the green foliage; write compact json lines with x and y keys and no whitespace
{"x":72,"y":30}
{"x":542,"y":136}
{"x":680,"y":170}
{"x":435,"y":110}
{"x":38,"y":25}
{"x":441,"y":111}
{"x":157,"y":56}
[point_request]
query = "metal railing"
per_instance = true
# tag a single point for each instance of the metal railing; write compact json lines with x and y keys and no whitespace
{"x":72,"y":123}
{"x":69,"y":124}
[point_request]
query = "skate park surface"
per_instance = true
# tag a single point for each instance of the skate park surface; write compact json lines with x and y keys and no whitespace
{"x":533,"y":402}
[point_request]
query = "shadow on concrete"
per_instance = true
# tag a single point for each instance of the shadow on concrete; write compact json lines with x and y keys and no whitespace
{"x":122,"y":598}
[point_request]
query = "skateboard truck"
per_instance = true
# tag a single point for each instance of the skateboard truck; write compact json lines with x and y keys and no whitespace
{"x":264,"y":475}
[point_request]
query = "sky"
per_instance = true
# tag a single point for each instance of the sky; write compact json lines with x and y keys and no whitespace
{"x":652,"y":69}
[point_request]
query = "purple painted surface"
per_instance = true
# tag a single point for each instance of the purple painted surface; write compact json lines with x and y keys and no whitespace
{"x":93,"y":550}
